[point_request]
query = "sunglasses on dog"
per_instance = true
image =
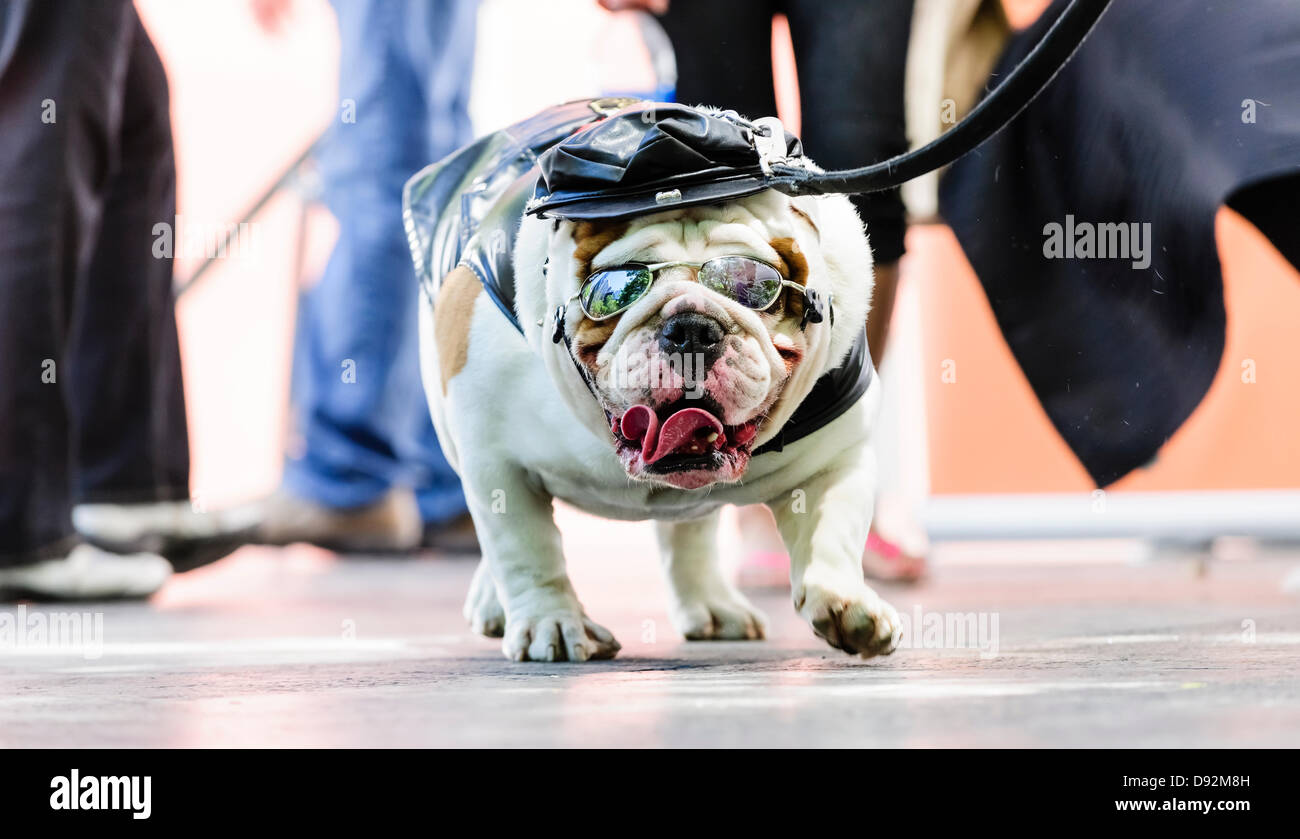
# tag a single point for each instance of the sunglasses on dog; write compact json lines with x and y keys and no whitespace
{"x":750,"y":282}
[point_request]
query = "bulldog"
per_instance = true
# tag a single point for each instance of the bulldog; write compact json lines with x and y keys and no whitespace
{"x":664,"y":352}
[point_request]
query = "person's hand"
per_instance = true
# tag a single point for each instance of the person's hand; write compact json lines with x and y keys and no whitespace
{"x":657,"y":7}
{"x":271,"y":15}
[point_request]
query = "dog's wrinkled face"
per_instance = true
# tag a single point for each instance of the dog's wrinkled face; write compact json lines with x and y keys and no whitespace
{"x":687,"y":376}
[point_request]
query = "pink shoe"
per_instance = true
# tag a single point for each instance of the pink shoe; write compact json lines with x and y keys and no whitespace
{"x":883,"y":560}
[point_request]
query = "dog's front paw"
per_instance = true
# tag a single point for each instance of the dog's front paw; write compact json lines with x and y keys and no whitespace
{"x":482,"y":609}
{"x":848,"y":616}
{"x":725,"y":615}
{"x":557,"y":635}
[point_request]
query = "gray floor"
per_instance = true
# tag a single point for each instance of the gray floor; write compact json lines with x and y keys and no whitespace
{"x":295,"y":648}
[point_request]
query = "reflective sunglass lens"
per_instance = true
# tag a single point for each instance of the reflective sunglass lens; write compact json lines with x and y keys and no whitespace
{"x":752,"y":284}
{"x":606,"y":293}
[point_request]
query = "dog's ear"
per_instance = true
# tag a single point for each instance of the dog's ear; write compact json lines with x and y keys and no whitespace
{"x":845,"y":255}
{"x":806,"y":210}
{"x":532,"y":260}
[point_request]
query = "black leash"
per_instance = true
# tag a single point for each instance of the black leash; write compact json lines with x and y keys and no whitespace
{"x":1007,"y":100}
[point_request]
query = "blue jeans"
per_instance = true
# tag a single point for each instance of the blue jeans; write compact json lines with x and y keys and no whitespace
{"x":404,"y":79}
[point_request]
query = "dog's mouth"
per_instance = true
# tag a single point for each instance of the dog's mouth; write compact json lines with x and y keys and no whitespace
{"x":685,"y":436}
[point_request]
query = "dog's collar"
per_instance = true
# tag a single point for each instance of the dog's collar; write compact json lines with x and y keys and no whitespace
{"x":561,"y":334}
{"x":833,"y":394}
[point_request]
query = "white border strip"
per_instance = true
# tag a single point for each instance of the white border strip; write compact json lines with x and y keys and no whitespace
{"x":1177,"y":516}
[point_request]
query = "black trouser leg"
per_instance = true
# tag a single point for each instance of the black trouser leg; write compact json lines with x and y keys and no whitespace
{"x":724,"y":54}
{"x":62,"y":73}
{"x":127,"y":401}
{"x":852,"y":59}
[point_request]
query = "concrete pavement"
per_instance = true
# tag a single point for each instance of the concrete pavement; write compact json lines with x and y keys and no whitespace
{"x":296,"y":648}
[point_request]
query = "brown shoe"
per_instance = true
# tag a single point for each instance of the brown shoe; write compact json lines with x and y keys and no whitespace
{"x":389,"y":525}
{"x":455,"y":536}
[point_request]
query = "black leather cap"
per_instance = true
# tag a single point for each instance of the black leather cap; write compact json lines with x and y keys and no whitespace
{"x":651,"y":157}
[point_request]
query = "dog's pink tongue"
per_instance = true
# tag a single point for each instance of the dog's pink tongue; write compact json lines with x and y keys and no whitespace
{"x":690,"y":431}
{"x":640,"y":423}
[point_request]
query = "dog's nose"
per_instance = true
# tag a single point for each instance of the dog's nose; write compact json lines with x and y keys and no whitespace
{"x":691,"y":333}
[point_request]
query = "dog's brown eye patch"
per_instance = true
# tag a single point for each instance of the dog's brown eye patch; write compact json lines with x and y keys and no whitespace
{"x":795,"y":267}
{"x":793,"y":263}
{"x":588,"y":353}
{"x":590,"y":238}
{"x":591,"y":338}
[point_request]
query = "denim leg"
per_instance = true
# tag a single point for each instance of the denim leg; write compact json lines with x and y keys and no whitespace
{"x":404,"y":80}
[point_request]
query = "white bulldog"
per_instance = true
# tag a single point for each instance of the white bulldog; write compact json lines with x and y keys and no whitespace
{"x":684,"y":386}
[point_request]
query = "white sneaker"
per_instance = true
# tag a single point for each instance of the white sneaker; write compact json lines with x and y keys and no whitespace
{"x":175,"y":519}
{"x":86,"y":573}
{"x":185,"y":536}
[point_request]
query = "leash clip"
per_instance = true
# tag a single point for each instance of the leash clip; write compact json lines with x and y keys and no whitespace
{"x":813,"y":311}
{"x":558,"y":335}
{"x":769,"y":142}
